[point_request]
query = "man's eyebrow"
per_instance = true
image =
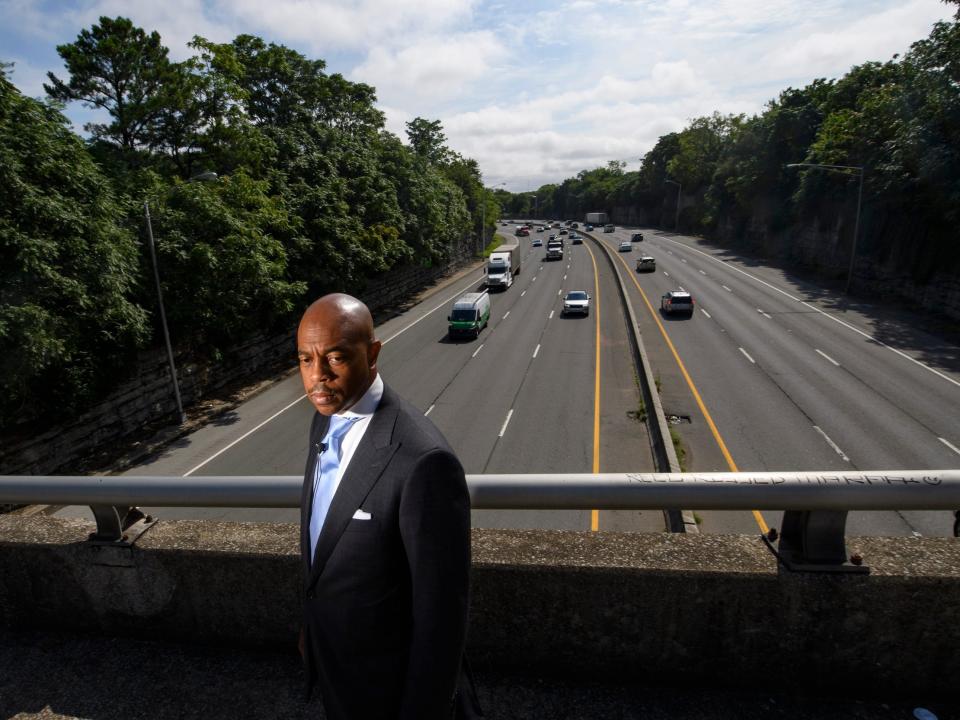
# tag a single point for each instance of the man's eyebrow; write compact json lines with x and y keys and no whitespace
{"x":326,"y":351}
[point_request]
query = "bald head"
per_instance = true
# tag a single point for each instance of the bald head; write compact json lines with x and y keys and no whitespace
{"x":337,"y":352}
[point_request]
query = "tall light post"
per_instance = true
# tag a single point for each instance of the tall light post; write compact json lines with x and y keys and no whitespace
{"x":856,"y":224}
{"x":483,"y":216}
{"x":202,"y":177}
{"x":676,"y":222}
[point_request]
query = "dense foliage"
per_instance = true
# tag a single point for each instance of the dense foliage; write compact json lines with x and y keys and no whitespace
{"x":305,"y":192}
{"x":898,"y":120}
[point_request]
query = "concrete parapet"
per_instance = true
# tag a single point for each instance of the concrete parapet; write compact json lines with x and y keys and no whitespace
{"x":710,"y":609}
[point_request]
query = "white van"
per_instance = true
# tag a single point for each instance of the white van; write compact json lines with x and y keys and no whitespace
{"x":469,"y":315}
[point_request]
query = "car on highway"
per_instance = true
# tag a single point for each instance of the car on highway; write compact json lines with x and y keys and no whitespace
{"x":553,"y":236}
{"x":645,"y":263}
{"x":610,"y":227}
{"x":576,"y":239}
{"x":574,"y":225}
{"x":625,"y":246}
{"x":588,"y":227}
{"x":537,"y":242}
{"x":677,"y":301}
{"x":523,"y":232}
{"x":576,"y":302}
{"x":556,"y":224}
{"x":563,"y":231}
{"x":540,"y":228}
{"x":636,"y":237}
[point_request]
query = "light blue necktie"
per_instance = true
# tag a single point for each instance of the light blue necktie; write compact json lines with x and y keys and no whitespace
{"x":326,"y":474}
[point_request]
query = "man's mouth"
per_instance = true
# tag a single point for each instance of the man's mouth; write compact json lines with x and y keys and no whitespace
{"x":322,"y":396}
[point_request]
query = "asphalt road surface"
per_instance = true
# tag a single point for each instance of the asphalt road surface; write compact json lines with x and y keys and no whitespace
{"x":791,"y":376}
{"x":771,"y":373}
{"x":536,"y":392}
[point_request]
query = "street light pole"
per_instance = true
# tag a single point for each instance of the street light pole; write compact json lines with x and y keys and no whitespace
{"x":676,"y":222}
{"x":163,"y":315}
{"x":202,"y":177}
{"x":856,"y":223}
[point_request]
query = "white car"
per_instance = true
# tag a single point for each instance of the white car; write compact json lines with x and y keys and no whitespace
{"x":677,"y":301}
{"x":576,"y":302}
{"x":625,"y":246}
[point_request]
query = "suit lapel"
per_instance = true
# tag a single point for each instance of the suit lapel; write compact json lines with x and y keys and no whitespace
{"x":366,"y":466}
{"x":318,"y":428}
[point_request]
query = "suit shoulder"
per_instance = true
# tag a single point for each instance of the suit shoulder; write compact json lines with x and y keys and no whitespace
{"x":415,"y":430}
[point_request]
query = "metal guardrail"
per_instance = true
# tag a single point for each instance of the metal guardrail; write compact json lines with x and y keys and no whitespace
{"x":812,"y":536}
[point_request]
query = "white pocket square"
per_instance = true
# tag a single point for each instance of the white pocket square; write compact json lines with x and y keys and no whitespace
{"x":361,"y":515}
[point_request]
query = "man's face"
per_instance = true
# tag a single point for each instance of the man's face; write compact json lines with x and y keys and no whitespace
{"x":337,"y":365}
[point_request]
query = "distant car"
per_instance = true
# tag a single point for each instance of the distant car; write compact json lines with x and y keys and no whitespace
{"x":504,"y":224}
{"x":563,"y":231}
{"x":636,"y":237}
{"x":589,"y":227}
{"x":576,"y":302}
{"x":625,"y":246}
{"x":574,"y":225}
{"x":645,"y":263}
{"x":576,"y":240}
{"x":537,"y":242}
{"x":677,"y":301}
{"x":553,"y":236}
{"x":540,"y":228}
{"x":523,"y":232}
{"x":610,"y":227}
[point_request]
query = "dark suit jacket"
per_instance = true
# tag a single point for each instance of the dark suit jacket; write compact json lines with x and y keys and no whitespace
{"x":385,"y":599}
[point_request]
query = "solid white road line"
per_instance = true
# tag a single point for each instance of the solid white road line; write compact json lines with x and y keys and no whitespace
{"x":704,"y":312}
{"x":551,"y":315}
{"x":950,"y":445}
{"x":505,"y":314}
{"x":429,"y":409}
{"x":536,"y":350}
{"x":726,"y":288}
{"x":832,"y":444}
{"x":505,"y":423}
{"x":245,"y":435}
{"x":827,"y":357}
{"x":825,"y":314}
{"x":747,"y":356}
{"x":477,"y":350}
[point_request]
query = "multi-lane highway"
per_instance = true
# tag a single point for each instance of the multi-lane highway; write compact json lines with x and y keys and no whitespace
{"x":772,"y":373}
{"x":536,"y":392}
{"x":769,"y":374}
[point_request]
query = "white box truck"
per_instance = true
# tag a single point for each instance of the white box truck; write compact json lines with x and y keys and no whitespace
{"x":596,"y":219}
{"x":502,"y":265}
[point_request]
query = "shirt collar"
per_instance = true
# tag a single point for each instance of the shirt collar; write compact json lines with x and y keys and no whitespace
{"x":368,"y":402}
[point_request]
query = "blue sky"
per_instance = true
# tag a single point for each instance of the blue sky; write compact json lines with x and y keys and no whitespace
{"x":534,"y":91}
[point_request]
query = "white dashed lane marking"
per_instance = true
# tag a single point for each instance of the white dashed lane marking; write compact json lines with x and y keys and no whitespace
{"x":821,"y":352}
{"x":832,"y":444}
{"x":505,"y":423}
{"x":747,"y":356}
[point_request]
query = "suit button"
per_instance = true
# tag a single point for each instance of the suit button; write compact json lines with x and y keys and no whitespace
{"x":310,"y":595}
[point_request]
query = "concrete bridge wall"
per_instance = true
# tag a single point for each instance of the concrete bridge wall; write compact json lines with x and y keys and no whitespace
{"x":712,"y":610}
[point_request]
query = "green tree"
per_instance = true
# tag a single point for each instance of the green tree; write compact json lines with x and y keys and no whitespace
{"x":427,"y":139}
{"x":119,"y":68}
{"x":67,"y":269}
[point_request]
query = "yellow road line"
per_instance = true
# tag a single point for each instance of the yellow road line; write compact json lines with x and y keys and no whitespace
{"x":595,"y":514}
{"x":693,"y":388}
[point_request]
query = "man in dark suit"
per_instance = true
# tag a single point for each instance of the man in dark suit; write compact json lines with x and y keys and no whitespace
{"x":384,"y":533}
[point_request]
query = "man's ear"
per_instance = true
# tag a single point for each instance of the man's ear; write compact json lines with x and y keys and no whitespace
{"x":373,"y":351}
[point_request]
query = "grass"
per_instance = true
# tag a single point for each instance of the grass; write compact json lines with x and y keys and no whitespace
{"x":496,"y":242}
{"x":679,"y":449}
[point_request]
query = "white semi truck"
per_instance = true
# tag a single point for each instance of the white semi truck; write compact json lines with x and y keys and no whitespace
{"x":502,"y":266}
{"x":596,"y":219}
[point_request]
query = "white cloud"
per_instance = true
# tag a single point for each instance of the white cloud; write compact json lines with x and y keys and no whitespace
{"x":430,"y":71}
{"x":327,"y":25}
